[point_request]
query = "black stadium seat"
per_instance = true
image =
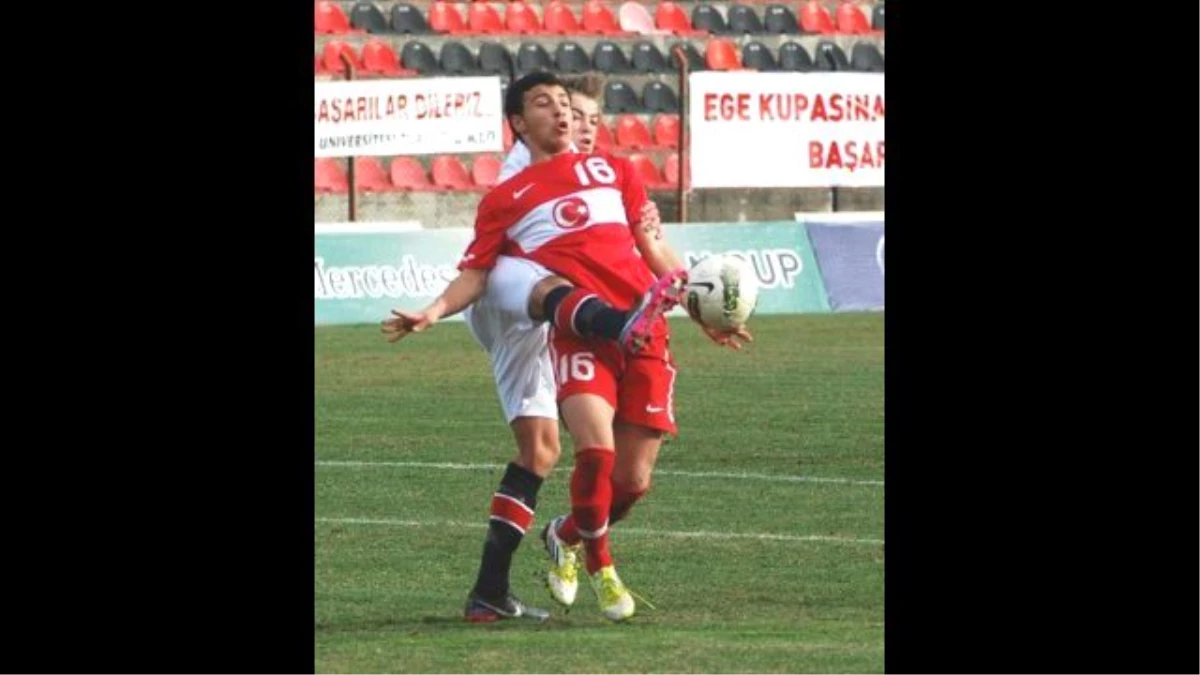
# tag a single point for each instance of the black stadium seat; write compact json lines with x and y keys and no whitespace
{"x":532,"y":57}
{"x":456,"y":59}
{"x":742,"y":20}
{"x":877,"y":17}
{"x":569,"y":57}
{"x":756,"y":55}
{"x":419,"y":57}
{"x":494,"y":59}
{"x":793,"y":56}
{"x":865,"y":56}
{"x":608,"y":58}
{"x":706,"y":17}
{"x":409,"y":19}
{"x":366,"y":16}
{"x":694,"y":57}
{"x":658,"y":97}
{"x":647,"y":58}
{"x":830,"y":57}
{"x":619,"y":98}
{"x":780,"y":20}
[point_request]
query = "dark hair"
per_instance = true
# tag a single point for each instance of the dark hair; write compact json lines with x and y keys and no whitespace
{"x":514,"y":98}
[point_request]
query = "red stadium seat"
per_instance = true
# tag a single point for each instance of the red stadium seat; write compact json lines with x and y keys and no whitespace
{"x":632,"y":133}
{"x":408,"y":174}
{"x":485,"y":170}
{"x":560,"y":19}
{"x":483,"y":18}
{"x":519,"y":17}
{"x":647,"y":171}
{"x":850,"y":19}
{"x":671,"y":169}
{"x":329,"y":175}
{"x":330,"y":19}
{"x":666,"y":131}
{"x":506,"y":132}
{"x":670,"y":16}
{"x":722,"y":55}
{"x":369,"y":175}
{"x":333,"y":49}
{"x":444,"y":18}
{"x":379,"y":57}
{"x":449,"y":172}
{"x":604,"y":137}
{"x":598,"y":18}
{"x":633,"y":17}
{"x":814,"y":18}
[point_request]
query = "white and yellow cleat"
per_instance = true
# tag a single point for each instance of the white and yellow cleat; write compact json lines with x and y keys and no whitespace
{"x":616,"y":602}
{"x":562,"y":579}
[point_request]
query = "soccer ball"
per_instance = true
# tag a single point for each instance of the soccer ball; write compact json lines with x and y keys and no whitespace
{"x":722,"y":292}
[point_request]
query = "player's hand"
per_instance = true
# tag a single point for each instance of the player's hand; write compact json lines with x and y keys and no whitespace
{"x":651,"y":223}
{"x":728,"y":339}
{"x":404,"y":323}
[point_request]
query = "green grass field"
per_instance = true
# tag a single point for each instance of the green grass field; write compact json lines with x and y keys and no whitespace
{"x":761,"y":544}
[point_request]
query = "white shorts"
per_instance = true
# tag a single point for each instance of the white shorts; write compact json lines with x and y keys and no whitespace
{"x":516,"y":344}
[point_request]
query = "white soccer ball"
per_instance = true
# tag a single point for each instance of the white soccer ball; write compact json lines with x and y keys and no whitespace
{"x":722,"y":292}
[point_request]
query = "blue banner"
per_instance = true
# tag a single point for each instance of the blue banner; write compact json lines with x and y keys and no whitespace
{"x":851,"y":260}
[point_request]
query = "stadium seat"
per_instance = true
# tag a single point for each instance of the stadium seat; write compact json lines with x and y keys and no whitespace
{"x":619,"y":98}
{"x":671,"y":170}
{"x":333,"y":49}
{"x":408,"y":19}
{"x":569,"y":57}
{"x":485,"y":170}
{"x":659,"y":97}
{"x":449,"y":172}
{"x":780,"y":20}
{"x":865,"y":56}
{"x":366,"y":16}
{"x":647,"y":171}
{"x":599,"y":19}
{"x":793,"y":57}
{"x":369,"y":175}
{"x":319,"y":66}
{"x":330,"y":19}
{"x":483,"y":18}
{"x":814,"y":18}
{"x":494,"y":59}
{"x":670,"y":16}
{"x":851,"y":20}
{"x":756,"y":55}
{"x":519,"y":17}
{"x":532,"y":57}
{"x":695,"y":60}
{"x":877,"y":17}
{"x":456,"y":59}
{"x":418,"y":56}
{"x":604,"y":137}
{"x":647,"y":59}
{"x":830,"y":57}
{"x":378,"y":57}
{"x":444,"y":18}
{"x":608,"y":58}
{"x":506,"y":133}
{"x":329,"y":175}
{"x":558,"y":18}
{"x":709,"y":20}
{"x":632,"y":133}
{"x":743,"y":20}
{"x":721,"y":55}
{"x":408,"y":174}
{"x":666,"y":131}
{"x":633,"y":17}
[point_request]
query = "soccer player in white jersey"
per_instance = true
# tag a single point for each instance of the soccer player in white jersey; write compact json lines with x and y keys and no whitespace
{"x":539,"y":228}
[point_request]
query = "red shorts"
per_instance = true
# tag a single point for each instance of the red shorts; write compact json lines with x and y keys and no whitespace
{"x":641,"y":388}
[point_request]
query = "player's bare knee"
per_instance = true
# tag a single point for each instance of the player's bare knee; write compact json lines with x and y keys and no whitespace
{"x":537,"y":297}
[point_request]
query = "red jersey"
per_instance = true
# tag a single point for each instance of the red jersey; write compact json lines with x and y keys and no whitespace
{"x":572,"y":214}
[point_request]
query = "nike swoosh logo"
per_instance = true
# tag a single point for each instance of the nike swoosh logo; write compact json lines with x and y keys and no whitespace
{"x":654,"y":409}
{"x":704,"y":284}
{"x":518,"y":193}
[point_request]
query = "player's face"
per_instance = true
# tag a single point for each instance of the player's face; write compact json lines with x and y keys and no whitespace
{"x":585,"y":117}
{"x":546,"y":122}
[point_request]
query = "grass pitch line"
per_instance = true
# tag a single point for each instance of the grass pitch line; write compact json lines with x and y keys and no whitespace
{"x":697,"y":534}
{"x":785,"y":478}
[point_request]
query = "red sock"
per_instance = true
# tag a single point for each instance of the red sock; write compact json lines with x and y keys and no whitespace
{"x":622,"y":501}
{"x":591,"y":498}
{"x":564,"y":314}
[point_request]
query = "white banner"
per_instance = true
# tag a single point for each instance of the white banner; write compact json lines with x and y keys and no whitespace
{"x":751,"y":129}
{"x":413,"y":116}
